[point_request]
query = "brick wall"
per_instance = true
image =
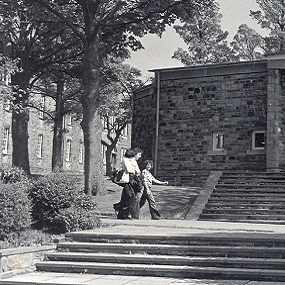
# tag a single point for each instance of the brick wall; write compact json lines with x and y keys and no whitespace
{"x":38,"y":126}
{"x":143,"y":129}
{"x":196,"y":102}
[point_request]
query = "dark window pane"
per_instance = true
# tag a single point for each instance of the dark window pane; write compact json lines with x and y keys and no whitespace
{"x":259,"y":140}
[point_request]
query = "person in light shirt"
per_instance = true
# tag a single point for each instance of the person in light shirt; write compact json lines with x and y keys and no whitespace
{"x":148,"y":179}
{"x":128,"y":207}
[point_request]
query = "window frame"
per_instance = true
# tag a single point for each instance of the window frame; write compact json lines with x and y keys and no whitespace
{"x":68,"y":150}
{"x":81,"y":152}
{"x":40,"y":146}
{"x":5,"y":141}
{"x":253,"y":146}
{"x":215,"y":141}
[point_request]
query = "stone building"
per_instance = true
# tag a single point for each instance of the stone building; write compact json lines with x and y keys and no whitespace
{"x":228,"y":116}
{"x":41,"y":139}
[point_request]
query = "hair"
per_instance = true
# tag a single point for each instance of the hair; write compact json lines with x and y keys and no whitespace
{"x":137,"y":150}
{"x":129,"y":153}
{"x":148,"y":161}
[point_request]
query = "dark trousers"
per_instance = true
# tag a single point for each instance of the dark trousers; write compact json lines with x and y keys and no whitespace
{"x":128,"y":207}
{"x":148,"y":196}
{"x":123,"y":208}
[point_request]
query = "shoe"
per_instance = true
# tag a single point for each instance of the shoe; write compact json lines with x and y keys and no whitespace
{"x":129,"y":217}
{"x":155,"y":218}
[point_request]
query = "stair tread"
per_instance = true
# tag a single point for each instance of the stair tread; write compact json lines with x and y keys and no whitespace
{"x":173,"y":257}
{"x":85,"y":265}
{"x":167,"y":246}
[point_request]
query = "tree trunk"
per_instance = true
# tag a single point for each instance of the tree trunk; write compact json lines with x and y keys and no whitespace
{"x":20,"y":121}
{"x":20,"y":137}
{"x":108,"y":161}
{"x":57,"y":162}
{"x":91,"y":122}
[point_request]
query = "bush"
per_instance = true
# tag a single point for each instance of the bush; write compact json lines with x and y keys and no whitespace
{"x":60,"y":206}
{"x":28,"y":237}
{"x":13,"y":174}
{"x":15,"y":213}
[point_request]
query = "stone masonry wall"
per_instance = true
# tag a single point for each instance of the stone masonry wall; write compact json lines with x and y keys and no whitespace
{"x":195,"y":103}
{"x":143,"y":131}
{"x":191,"y":109}
{"x":276,"y":120}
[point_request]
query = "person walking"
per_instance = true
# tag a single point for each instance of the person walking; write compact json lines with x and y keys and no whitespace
{"x":148,"y":179}
{"x":128,"y":207}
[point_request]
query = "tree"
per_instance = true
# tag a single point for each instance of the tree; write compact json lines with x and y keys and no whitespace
{"x":35,"y":44}
{"x":204,"y":37}
{"x":7,"y":68}
{"x":272,"y":18}
{"x":118,"y":84}
{"x":64,"y":90}
{"x":247,"y":44}
{"x":106,"y":27}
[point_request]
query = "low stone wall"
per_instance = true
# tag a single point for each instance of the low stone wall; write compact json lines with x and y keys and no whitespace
{"x":22,"y":259}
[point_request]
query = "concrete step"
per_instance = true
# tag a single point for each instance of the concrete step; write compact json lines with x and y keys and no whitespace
{"x":184,"y":238}
{"x":261,"y":199}
{"x":253,"y":174}
{"x":169,"y":260}
{"x":249,"y":186}
{"x":248,"y":195}
{"x":244,"y":211}
{"x":269,"y":219}
{"x":243,"y":205}
{"x":177,"y":250}
{"x":162,"y":270}
{"x":252,"y":180}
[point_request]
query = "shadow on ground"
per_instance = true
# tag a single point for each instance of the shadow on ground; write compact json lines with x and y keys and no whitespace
{"x":173,"y":202}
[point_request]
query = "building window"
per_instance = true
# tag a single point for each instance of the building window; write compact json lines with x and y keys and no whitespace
{"x":258,"y":140}
{"x":125,"y":131}
{"x":105,"y":123}
{"x":40,"y":146}
{"x":68,"y":150}
{"x":104,"y":148}
{"x":42,"y":106}
{"x":218,"y":141}
{"x":69,"y":120}
{"x":81,"y":151}
{"x":5,"y":145}
{"x":114,"y":161}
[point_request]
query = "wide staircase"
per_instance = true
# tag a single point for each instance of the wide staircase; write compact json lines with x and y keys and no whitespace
{"x":251,"y":197}
{"x":171,"y":251}
{"x":218,"y":248}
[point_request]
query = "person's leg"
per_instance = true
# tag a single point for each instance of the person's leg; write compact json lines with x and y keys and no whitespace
{"x":152,"y":206}
{"x":143,"y":198}
{"x":135,"y":207}
{"x":123,"y":208}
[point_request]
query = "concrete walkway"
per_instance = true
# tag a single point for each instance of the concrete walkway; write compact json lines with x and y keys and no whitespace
{"x":81,"y":279}
{"x":150,"y":227}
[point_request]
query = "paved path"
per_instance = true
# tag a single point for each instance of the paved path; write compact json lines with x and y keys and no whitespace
{"x":80,"y":279}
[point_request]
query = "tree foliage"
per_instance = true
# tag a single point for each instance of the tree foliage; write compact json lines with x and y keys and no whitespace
{"x":107,"y":27}
{"x":119,"y":82}
{"x":272,"y":18}
{"x":247,"y":44}
{"x":206,"y":41}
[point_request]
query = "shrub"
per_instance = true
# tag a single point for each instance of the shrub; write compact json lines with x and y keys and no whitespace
{"x":59,"y":205}
{"x":28,"y":237}
{"x":15,"y":214}
{"x":13,"y":174}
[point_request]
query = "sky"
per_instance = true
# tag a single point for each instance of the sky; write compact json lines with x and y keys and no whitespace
{"x":157,"y":52}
